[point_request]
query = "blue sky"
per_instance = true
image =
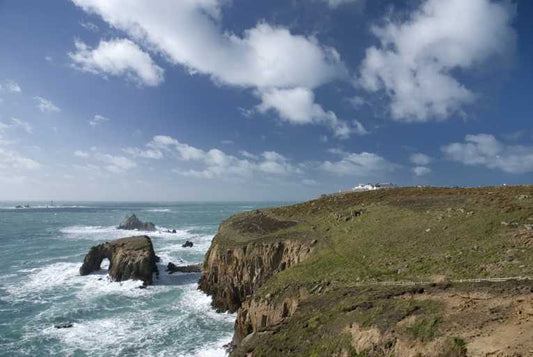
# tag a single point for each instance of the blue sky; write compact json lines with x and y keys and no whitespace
{"x":271,"y":100}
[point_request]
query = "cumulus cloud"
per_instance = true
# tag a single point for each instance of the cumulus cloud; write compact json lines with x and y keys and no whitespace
{"x":45,"y":105}
{"x":115,"y":164}
{"x":362,"y":164}
{"x":297,"y":106}
{"x":10,"y":159}
{"x":336,"y":3}
{"x":12,"y":86}
{"x":97,"y":120}
{"x":269,"y":59}
{"x":420,"y":159}
{"x":416,"y":62}
{"x":421,"y":170}
{"x":118,"y":57}
{"x":215,"y":163}
{"x":82,"y":154}
{"x":486,"y":150}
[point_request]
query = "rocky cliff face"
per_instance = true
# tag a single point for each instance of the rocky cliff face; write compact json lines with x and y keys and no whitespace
{"x":129,"y":258}
{"x":232,"y":274}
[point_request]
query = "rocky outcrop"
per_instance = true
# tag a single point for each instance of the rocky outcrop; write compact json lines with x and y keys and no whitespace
{"x":134,"y":223}
{"x":188,"y":244}
{"x":263,"y":315}
{"x":173,"y":268}
{"x":129,"y":258}
{"x":232,"y":274}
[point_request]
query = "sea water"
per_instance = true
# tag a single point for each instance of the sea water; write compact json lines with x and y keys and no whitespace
{"x":41,"y":250}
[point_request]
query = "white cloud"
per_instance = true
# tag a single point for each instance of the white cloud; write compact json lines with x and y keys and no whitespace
{"x":13,"y":86}
{"x":269,"y":59}
{"x":147,"y":154}
{"x":416,"y":61}
{"x":421,"y":170}
{"x":336,"y":3}
{"x":116,"y":164}
{"x":362,"y":164}
{"x":486,"y":150}
{"x":118,"y":57}
{"x":45,"y":105}
{"x":82,"y":154}
{"x":420,"y":159}
{"x":185,"y":31}
{"x":10,"y":159}
{"x":17,"y":123}
{"x":89,"y":26}
{"x":310,"y":182}
{"x":297,"y":106}
{"x":97,"y":120}
{"x":214,"y":163}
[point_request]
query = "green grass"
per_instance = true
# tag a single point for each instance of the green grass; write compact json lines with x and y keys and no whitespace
{"x":424,"y":329}
{"x":406,"y":234}
{"x":402,"y":234}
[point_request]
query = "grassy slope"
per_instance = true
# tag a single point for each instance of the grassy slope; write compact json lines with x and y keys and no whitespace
{"x":409,"y":234}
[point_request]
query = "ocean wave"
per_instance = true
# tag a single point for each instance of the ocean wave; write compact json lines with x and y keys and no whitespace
{"x":65,"y":276}
{"x":112,"y":232}
{"x":149,"y":329}
{"x":40,"y":207}
{"x":158,"y":210}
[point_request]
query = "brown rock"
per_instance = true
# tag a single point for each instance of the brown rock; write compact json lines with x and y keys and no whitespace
{"x":129,"y":258}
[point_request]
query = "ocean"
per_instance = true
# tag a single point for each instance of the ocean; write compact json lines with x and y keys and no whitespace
{"x":41,"y":250}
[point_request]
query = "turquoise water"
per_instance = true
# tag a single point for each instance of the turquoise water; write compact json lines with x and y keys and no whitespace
{"x":41,"y":250}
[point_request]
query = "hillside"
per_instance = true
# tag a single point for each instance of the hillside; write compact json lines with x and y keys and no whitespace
{"x":380,"y":273}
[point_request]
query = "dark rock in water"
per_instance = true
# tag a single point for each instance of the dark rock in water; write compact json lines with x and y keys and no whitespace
{"x":129,"y":258}
{"x":19,"y":206}
{"x":157,"y":259}
{"x":64,"y":325}
{"x":172,"y":268}
{"x":187,"y":244}
{"x":132,"y":223}
{"x":173,"y":231}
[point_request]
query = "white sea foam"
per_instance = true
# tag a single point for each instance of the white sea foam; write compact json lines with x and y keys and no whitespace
{"x":143,"y":329}
{"x":111,"y":232}
{"x":65,"y":276}
{"x":157,"y":210}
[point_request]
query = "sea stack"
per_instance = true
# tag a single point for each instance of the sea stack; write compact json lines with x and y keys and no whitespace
{"x":129,"y":258}
{"x":134,"y":223}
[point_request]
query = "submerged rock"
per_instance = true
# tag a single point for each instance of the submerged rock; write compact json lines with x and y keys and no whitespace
{"x":64,"y":325}
{"x":129,"y":258}
{"x":134,"y":223}
{"x":172,"y":268}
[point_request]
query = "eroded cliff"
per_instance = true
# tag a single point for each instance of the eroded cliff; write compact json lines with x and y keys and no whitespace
{"x":234,"y":271}
{"x":380,"y":273}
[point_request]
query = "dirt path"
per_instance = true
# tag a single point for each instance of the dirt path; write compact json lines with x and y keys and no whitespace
{"x":412,"y":283}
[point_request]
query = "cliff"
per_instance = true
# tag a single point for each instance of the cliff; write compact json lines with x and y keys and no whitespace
{"x":231,"y":273}
{"x":401,"y":272}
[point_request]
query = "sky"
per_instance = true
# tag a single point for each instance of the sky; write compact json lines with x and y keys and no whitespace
{"x":219,"y":100}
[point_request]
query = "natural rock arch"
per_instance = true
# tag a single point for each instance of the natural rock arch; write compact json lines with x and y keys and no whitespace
{"x":129,"y":258}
